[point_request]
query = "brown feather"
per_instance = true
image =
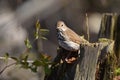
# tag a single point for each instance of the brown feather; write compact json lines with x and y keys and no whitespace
{"x":73,"y":36}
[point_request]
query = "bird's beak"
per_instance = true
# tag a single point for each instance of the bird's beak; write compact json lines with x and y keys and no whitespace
{"x":57,"y":28}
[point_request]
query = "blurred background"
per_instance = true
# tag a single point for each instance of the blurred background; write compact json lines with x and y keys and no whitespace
{"x":18,"y":18}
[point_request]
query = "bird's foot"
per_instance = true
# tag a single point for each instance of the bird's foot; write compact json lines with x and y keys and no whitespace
{"x":70,"y":60}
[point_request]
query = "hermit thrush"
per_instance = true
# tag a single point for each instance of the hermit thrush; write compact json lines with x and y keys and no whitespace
{"x":67,"y":38}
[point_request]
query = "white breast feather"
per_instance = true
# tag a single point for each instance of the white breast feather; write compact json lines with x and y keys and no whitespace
{"x":69,"y":45}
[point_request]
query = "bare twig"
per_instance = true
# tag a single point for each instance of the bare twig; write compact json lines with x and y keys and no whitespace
{"x":87,"y":27}
{"x":3,"y":58}
{"x":6,"y":67}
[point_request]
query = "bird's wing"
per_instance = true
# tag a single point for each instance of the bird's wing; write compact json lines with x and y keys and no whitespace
{"x":73,"y":36}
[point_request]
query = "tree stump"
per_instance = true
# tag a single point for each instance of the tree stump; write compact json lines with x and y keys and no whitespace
{"x":87,"y":62}
{"x":86,"y":67}
{"x":96,"y":61}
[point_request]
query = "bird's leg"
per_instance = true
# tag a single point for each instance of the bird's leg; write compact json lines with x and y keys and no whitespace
{"x":66,"y":59}
{"x":78,"y":53}
{"x":71,"y":58}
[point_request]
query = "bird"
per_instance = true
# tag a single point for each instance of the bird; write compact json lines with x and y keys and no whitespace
{"x":68,"y":40}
